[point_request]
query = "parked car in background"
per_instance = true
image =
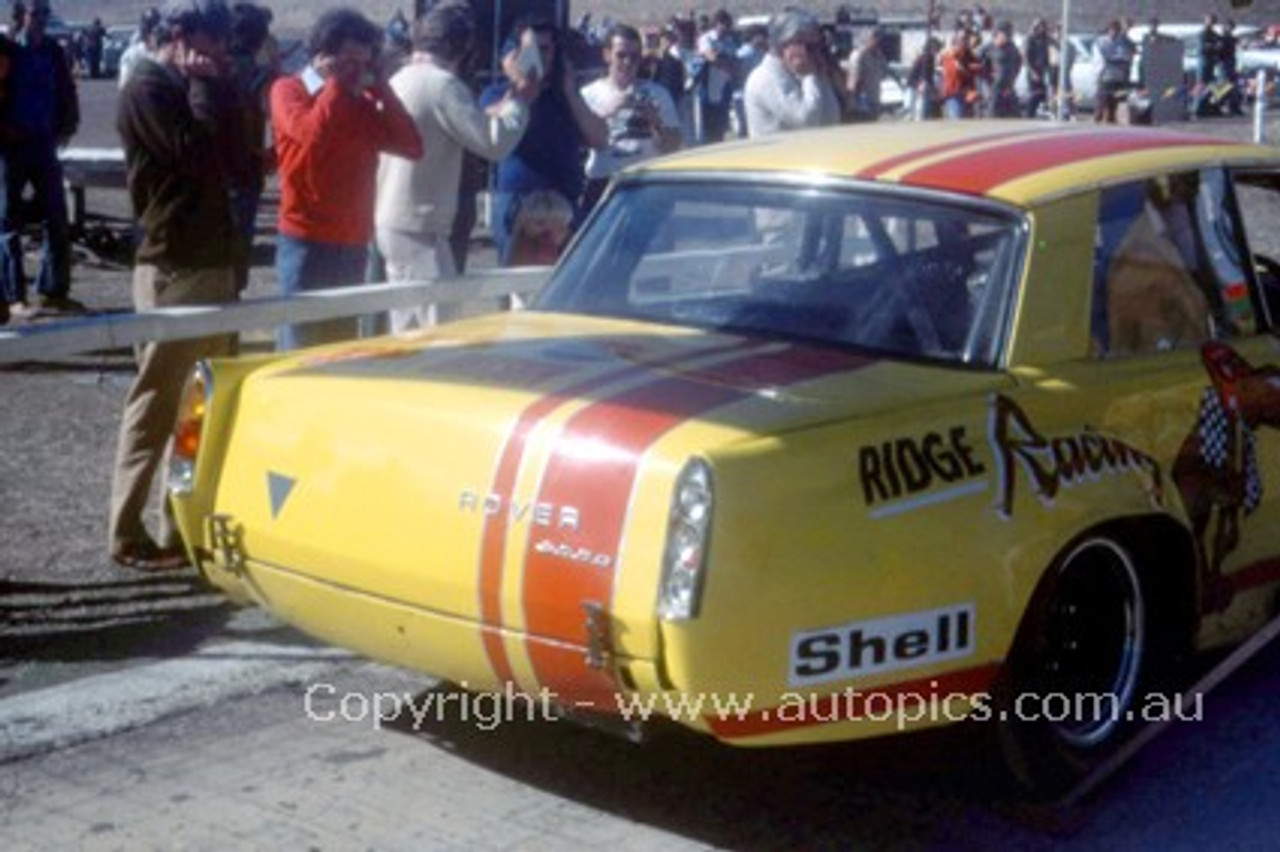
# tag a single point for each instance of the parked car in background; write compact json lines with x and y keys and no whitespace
{"x":1260,"y":54}
{"x":866,"y":430}
{"x":1189,"y":35}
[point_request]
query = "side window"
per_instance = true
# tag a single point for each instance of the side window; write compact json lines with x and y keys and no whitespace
{"x":1258,"y":197}
{"x":1167,"y":266}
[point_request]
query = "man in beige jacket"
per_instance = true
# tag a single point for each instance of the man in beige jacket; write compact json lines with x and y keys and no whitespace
{"x":417,"y":199}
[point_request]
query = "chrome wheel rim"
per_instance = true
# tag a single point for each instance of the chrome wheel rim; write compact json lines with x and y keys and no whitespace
{"x":1094,"y":644}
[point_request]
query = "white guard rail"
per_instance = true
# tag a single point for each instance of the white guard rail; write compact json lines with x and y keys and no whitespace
{"x":43,"y":341}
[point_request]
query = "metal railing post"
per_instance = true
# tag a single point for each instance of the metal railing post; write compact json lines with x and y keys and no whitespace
{"x":1260,"y":108}
{"x":1064,"y":61}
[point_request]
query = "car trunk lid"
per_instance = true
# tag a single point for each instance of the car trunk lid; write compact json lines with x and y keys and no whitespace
{"x":488,"y":473}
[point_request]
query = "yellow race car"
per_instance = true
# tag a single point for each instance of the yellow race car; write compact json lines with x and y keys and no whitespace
{"x":816,"y":437}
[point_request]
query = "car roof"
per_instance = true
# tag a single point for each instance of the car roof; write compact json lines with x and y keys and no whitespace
{"x":1016,"y":162}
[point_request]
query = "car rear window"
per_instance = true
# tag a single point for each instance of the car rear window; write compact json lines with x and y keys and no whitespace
{"x":901,"y":274}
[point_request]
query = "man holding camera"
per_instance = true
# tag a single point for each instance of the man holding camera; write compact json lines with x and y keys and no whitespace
{"x":640,"y":114}
{"x":791,"y":87}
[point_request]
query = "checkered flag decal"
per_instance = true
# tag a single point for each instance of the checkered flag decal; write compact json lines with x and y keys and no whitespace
{"x":1217,"y":428}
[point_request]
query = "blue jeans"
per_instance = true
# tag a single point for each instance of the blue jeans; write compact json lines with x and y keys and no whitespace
{"x":34,"y":163}
{"x":500,"y":225}
{"x":954,"y":107}
{"x":303,"y":266}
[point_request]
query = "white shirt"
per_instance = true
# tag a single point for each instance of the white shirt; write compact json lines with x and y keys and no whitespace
{"x":628,"y":143}
{"x":778,"y":100}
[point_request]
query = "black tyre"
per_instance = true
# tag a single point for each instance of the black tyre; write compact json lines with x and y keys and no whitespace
{"x":1078,"y":667}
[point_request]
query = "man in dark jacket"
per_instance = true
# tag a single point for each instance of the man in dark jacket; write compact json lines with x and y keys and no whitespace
{"x":169,"y":119}
{"x":1003,"y":65}
{"x":43,"y":113}
{"x":1207,"y":65}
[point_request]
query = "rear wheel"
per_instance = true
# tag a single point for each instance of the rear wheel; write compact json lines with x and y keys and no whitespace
{"x":1077,"y":668}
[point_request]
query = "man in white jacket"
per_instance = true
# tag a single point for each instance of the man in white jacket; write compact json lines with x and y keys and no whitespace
{"x":417,"y":199}
{"x":790,"y":88}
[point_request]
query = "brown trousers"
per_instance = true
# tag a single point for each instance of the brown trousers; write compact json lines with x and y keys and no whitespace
{"x":151,"y":406}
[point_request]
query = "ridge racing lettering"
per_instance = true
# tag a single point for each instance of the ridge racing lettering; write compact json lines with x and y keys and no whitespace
{"x":906,"y":466}
{"x":1052,"y":464}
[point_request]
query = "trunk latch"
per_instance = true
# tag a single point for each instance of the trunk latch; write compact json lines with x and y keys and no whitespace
{"x":599,"y":636}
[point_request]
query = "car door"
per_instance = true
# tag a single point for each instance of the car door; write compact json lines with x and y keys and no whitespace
{"x":1252,"y":238}
{"x":1176,"y":408}
{"x":1175,"y":289}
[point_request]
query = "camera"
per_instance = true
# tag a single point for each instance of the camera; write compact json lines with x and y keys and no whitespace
{"x":641,"y":110}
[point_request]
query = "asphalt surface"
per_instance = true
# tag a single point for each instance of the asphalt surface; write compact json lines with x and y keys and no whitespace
{"x":201,"y":750}
{"x":144,"y":712}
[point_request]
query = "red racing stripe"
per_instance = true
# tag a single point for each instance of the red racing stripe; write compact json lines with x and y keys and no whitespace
{"x":493,"y":540}
{"x":852,"y":705}
{"x":979,"y":172}
{"x":886,"y":166}
{"x":494,"y":536}
{"x":594,"y":466}
{"x":1255,"y":575}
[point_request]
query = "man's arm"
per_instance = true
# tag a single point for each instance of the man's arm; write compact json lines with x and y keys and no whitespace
{"x":67,"y":100}
{"x":490,"y":133}
{"x":790,"y":110}
{"x":298,"y":116}
{"x":156,"y":122}
{"x":397,"y":134}
{"x":592,"y":128}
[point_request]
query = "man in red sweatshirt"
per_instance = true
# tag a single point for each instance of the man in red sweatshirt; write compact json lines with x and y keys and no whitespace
{"x":331,"y":121}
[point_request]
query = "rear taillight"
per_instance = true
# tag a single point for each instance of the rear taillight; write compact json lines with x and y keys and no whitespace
{"x":188,"y":430}
{"x":688,"y":530}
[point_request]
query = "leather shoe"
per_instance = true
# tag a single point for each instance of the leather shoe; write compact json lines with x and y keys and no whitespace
{"x":148,"y":556}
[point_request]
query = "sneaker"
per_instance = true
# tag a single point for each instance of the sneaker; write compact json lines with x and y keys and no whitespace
{"x":20,"y":310}
{"x":60,"y":305}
